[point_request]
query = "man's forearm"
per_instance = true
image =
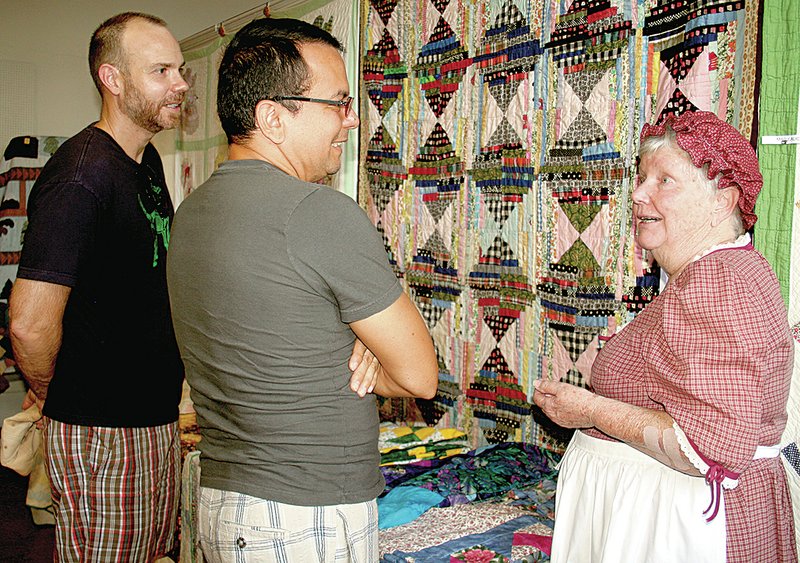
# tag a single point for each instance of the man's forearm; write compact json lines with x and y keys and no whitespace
{"x":36,"y":313}
{"x":399,"y":339}
{"x":36,"y":360}
{"x":386,"y":386}
{"x":39,"y":388}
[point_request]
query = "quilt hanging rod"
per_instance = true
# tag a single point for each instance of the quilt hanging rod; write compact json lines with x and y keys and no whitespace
{"x":225,"y":27}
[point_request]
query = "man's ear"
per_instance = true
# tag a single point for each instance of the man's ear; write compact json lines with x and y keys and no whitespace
{"x":725,"y":203}
{"x":270,"y":120}
{"x":110,"y":77}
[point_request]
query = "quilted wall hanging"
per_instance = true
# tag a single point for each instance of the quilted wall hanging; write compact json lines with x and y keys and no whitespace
{"x":499,"y":140}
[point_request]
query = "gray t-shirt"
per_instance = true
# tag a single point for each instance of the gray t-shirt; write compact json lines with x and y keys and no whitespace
{"x":264,"y":272}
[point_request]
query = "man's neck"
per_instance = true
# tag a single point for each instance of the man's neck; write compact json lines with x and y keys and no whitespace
{"x":129,"y":136}
{"x":237,"y":151}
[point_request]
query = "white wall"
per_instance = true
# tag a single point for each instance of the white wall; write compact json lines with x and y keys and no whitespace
{"x":50,"y":38}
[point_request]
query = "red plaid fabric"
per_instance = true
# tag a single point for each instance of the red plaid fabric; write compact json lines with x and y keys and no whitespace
{"x":115,"y":490}
{"x":714,"y":351}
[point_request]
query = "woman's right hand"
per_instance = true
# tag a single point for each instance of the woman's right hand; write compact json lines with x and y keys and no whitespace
{"x":567,"y":405}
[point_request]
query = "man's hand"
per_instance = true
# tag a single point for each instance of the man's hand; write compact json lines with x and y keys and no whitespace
{"x":399,"y":338}
{"x":365,"y":367}
{"x":566,"y":405}
{"x":30,"y":400}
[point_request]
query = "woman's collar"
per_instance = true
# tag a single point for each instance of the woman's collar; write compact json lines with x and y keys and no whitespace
{"x":740,"y":242}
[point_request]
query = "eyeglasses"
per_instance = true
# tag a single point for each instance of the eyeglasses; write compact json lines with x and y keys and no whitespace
{"x":347,"y":103}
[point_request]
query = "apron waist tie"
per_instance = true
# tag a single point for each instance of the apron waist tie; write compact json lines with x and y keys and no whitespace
{"x":716,"y":474}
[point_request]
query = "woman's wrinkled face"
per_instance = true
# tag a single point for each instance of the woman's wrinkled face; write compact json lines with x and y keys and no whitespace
{"x":673,"y":206}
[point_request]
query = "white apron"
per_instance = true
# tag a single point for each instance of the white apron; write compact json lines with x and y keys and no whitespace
{"x":615,"y":504}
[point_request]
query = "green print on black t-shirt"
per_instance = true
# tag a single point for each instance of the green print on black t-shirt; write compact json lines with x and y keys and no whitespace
{"x":158,"y":217}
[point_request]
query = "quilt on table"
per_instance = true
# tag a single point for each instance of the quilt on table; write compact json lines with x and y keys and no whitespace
{"x":480,"y":474}
{"x":497,"y":505}
{"x":518,"y":528}
{"x":407,"y":444}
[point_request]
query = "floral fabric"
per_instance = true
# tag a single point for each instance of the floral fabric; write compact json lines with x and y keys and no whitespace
{"x":480,"y":474}
{"x":517,"y":483}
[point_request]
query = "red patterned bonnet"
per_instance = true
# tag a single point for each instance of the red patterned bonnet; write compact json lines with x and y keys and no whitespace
{"x":709,"y":140}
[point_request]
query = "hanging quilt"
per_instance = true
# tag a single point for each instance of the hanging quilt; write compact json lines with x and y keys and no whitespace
{"x":499,"y":139}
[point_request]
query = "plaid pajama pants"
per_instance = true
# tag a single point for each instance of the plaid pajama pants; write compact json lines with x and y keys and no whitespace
{"x":115,"y":490}
{"x":235,"y":527}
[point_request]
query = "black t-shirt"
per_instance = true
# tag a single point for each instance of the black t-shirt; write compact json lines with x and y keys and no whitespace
{"x":99,"y":222}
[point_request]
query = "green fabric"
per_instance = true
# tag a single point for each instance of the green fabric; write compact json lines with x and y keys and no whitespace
{"x":202,"y":145}
{"x":778,"y":116}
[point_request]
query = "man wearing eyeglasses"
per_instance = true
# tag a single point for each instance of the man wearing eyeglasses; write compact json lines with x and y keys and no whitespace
{"x":273,"y":277}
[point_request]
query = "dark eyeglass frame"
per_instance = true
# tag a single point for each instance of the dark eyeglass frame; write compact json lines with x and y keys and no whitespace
{"x":347,"y":103}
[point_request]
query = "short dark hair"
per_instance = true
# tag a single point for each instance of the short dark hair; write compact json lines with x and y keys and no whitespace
{"x":262,"y":61}
{"x":106,"y":44}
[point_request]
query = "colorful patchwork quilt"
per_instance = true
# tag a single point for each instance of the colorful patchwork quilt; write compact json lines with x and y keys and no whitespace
{"x":497,"y":505}
{"x":499,"y":142}
{"x":407,"y":444}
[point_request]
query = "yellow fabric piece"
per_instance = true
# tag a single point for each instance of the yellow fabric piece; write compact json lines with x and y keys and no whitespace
{"x":425,"y":433}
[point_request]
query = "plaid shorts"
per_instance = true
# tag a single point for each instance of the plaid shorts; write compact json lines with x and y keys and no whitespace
{"x":237,"y":527}
{"x":115,"y":490}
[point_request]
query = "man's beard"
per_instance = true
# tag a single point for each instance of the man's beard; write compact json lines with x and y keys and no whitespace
{"x":147,"y":114}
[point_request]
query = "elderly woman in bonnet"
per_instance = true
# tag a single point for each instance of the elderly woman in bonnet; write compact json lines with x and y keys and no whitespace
{"x":676,"y":456}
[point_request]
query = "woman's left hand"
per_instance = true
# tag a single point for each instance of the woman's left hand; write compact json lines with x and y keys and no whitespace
{"x":567,"y":405}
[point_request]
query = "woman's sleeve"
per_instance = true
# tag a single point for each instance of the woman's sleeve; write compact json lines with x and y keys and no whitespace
{"x":709,"y":361}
